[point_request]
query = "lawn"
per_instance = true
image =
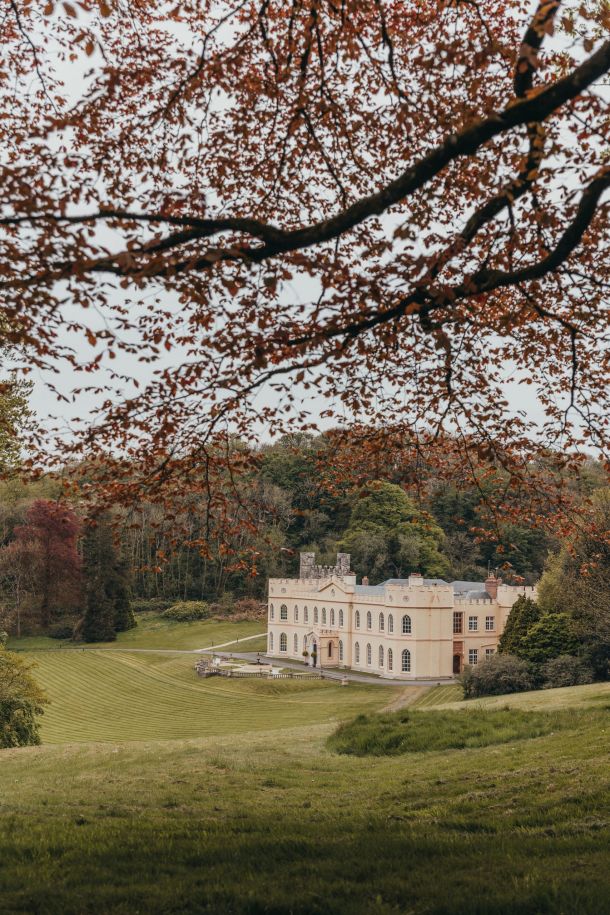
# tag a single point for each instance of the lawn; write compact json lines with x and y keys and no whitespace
{"x":153,"y":631}
{"x":275,"y":822}
{"x":116,"y":696}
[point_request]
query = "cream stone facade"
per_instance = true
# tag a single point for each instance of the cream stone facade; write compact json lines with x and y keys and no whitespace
{"x":411,"y":629}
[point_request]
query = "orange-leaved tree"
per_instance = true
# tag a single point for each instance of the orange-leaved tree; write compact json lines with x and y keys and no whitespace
{"x":396,"y":205}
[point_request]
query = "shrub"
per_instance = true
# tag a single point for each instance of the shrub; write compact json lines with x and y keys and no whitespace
{"x":566,"y":670}
{"x":496,"y":675}
{"x":21,"y":702}
{"x":187,"y":611}
{"x":246,"y":608}
{"x":63,"y":629}
{"x":150,"y":604}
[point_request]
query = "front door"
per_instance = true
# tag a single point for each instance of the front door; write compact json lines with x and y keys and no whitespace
{"x":457,"y":663}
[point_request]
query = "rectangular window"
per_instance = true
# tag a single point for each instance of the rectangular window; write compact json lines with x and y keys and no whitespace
{"x":489,"y":651}
{"x":458,"y":622}
{"x":473,"y":623}
{"x":490,"y":623}
{"x":473,"y":656}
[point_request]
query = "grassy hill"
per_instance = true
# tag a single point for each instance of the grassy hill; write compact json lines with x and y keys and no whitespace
{"x":116,"y":696}
{"x":275,"y":822}
{"x":158,"y":792}
{"x":153,"y":631}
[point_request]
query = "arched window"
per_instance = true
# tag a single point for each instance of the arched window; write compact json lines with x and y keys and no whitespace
{"x":390,"y":623}
{"x":357,"y":653}
{"x":306,"y":614}
{"x":315,"y":614}
{"x":340,"y":617}
{"x":369,"y":620}
{"x":304,"y":643}
{"x":271,"y":612}
{"x":357,"y":619}
{"x":283,"y":642}
{"x":381,"y":622}
{"x":296,"y":614}
{"x":296,"y":643}
{"x":390,"y":659}
{"x":324,"y":616}
{"x":270,"y":642}
{"x":330,"y":649}
{"x":381,"y":655}
{"x":406,"y":625}
{"x":283,"y":612}
{"x":340,"y":650}
{"x":369,"y":655}
{"x":332,"y":617}
{"x":406,"y":661}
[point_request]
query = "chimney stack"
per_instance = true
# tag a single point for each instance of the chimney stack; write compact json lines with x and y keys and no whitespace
{"x":365,"y":580}
{"x":491,"y":586}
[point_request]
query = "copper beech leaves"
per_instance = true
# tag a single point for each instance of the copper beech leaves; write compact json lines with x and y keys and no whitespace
{"x":385,"y":215}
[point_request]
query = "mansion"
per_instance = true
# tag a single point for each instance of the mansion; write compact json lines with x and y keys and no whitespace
{"x":405,"y":628}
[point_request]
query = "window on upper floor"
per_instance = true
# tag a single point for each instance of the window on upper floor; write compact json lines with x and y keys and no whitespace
{"x":473,"y":656}
{"x":406,"y":661}
{"x":296,"y":614}
{"x":283,"y":612}
{"x":406,"y":625}
{"x":271,"y":612}
{"x":315,"y":614}
{"x":490,"y":623}
{"x":381,"y":622}
{"x":357,"y":619}
{"x":369,"y":620}
{"x":283,"y":642}
{"x":332,"y":617}
{"x":473,"y":624}
{"x":390,"y":623}
{"x":340,"y":618}
{"x":305,"y":615}
{"x":324,"y":616}
{"x":458,"y":622}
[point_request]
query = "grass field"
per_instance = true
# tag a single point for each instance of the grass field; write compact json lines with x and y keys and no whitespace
{"x":115,"y":696}
{"x":153,"y":631}
{"x":158,"y":792}
{"x":274,"y":822}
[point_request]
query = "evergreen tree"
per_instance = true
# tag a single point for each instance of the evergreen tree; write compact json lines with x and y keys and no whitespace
{"x":553,"y":635}
{"x":524,"y":614}
{"x":123,"y":614}
{"x":107,"y":607}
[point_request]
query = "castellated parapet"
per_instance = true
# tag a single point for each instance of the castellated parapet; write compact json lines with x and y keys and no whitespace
{"x":311,"y":570}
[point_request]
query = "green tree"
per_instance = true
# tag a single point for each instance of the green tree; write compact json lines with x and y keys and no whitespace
{"x":21,"y":702}
{"x":107,"y":609}
{"x":523,"y":615}
{"x":553,"y":635}
{"x":389,"y":535}
{"x":577,"y":581}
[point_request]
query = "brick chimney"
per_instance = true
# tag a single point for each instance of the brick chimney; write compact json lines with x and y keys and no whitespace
{"x":365,"y":581}
{"x":491,"y":586}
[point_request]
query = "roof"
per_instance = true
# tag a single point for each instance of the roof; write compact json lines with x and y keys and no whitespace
{"x":461,"y":587}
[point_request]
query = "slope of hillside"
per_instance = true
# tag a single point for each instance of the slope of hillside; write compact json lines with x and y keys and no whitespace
{"x":274,"y":822}
{"x":106,"y":695}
